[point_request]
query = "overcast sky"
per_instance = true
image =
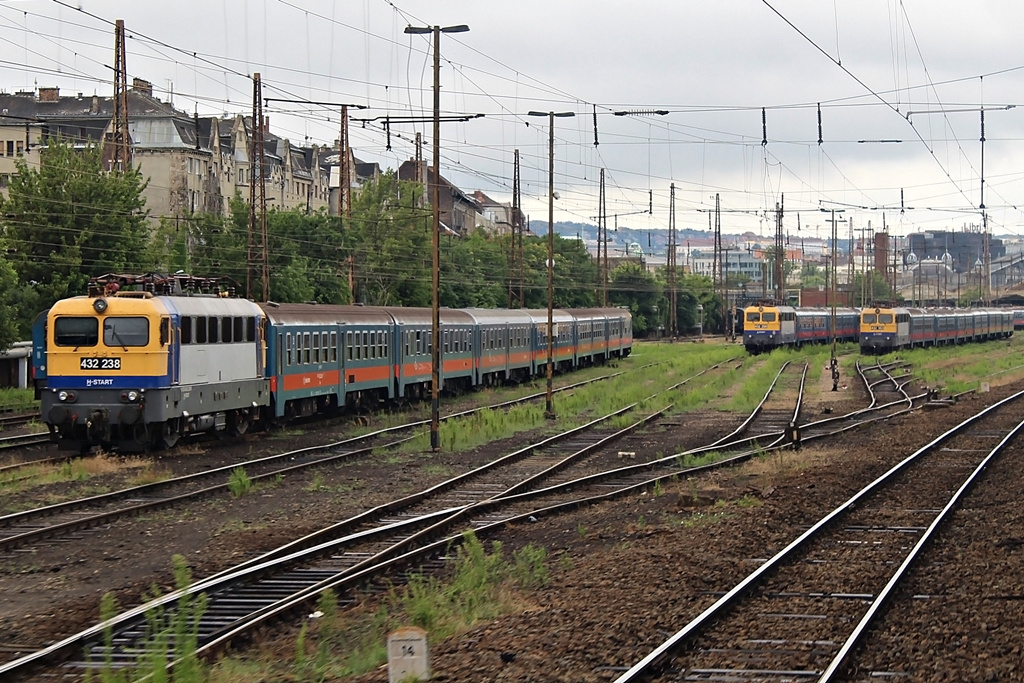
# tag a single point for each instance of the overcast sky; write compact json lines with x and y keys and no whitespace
{"x":917,"y":72}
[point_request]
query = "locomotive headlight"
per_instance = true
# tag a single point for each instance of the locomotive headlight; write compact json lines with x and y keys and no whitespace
{"x":100,"y":305}
{"x":65,"y":396}
{"x":130,"y":396}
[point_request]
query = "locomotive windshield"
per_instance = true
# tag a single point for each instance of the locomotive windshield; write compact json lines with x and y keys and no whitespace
{"x":125,"y":331}
{"x":753,"y":317}
{"x":75,"y":331}
{"x":885,"y":318}
{"x":870,"y":318}
{"x":768,"y":317}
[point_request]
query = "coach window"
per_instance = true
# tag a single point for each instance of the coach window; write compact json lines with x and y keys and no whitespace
{"x":288,"y":349}
{"x":306,"y":345}
{"x":186,"y":330}
{"x":226,"y":329}
{"x":214,"y":325}
{"x":316,"y":347}
{"x":76,"y":331}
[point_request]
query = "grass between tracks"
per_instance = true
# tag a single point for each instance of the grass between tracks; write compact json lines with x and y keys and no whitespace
{"x":674,"y":363}
{"x":18,"y":400}
{"x":955,"y":369}
{"x":481,"y":585}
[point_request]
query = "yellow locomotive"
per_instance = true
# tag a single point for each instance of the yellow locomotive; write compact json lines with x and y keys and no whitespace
{"x":132,"y":368}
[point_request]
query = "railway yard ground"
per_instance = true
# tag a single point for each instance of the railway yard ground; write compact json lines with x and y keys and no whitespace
{"x":622,"y":575}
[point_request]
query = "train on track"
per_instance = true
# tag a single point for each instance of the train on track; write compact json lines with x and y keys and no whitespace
{"x":878,"y":329}
{"x":767,"y":326}
{"x":141,"y":362}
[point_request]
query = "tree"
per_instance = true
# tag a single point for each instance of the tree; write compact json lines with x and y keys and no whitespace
{"x":10,"y":295}
{"x":634,"y":288}
{"x":388,"y":237}
{"x":69,"y":220}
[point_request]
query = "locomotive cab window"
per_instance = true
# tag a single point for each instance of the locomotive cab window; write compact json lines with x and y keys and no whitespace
{"x":753,"y":317}
{"x":768,"y":317}
{"x":885,"y":318}
{"x":76,"y":331}
{"x":186,"y":330}
{"x":125,"y":331}
{"x":869,"y":318}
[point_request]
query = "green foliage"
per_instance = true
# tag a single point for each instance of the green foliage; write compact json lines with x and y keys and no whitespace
{"x":529,"y":567}
{"x":388,"y":237}
{"x":239,"y":482}
{"x":17,"y":399}
{"x":10,"y":303}
{"x":67,"y":220}
{"x":634,"y":288}
{"x":471,"y":594}
{"x":169,"y":638}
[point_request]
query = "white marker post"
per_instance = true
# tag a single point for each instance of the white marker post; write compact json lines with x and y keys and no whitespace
{"x":407,"y":655}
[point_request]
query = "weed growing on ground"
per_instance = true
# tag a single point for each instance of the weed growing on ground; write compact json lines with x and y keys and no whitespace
{"x":168,"y":638}
{"x":239,"y":482}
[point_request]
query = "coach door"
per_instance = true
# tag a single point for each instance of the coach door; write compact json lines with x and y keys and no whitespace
{"x":167,"y":340}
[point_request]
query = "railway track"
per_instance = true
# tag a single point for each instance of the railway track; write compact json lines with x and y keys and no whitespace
{"x":23,"y":441}
{"x":385,"y":522}
{"x":58,"y":520}
{"x":803,"y":612}
{"x":13,"y":419}
{"x":424,"y":525}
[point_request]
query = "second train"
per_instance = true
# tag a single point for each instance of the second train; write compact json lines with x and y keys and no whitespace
{"x":877,"y":329}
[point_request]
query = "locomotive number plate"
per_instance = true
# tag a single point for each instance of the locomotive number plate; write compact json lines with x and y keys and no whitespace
{"x":93,"y":363}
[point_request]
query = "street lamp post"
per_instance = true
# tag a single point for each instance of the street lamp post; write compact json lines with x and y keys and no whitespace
{"x":435,"y":327}
{"x":550,"y":406}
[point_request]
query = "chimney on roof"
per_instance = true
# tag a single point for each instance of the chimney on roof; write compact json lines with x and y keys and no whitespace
{"x":49,"y":94}
{"x":95,"y":108}
{"x":143,"y":86}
